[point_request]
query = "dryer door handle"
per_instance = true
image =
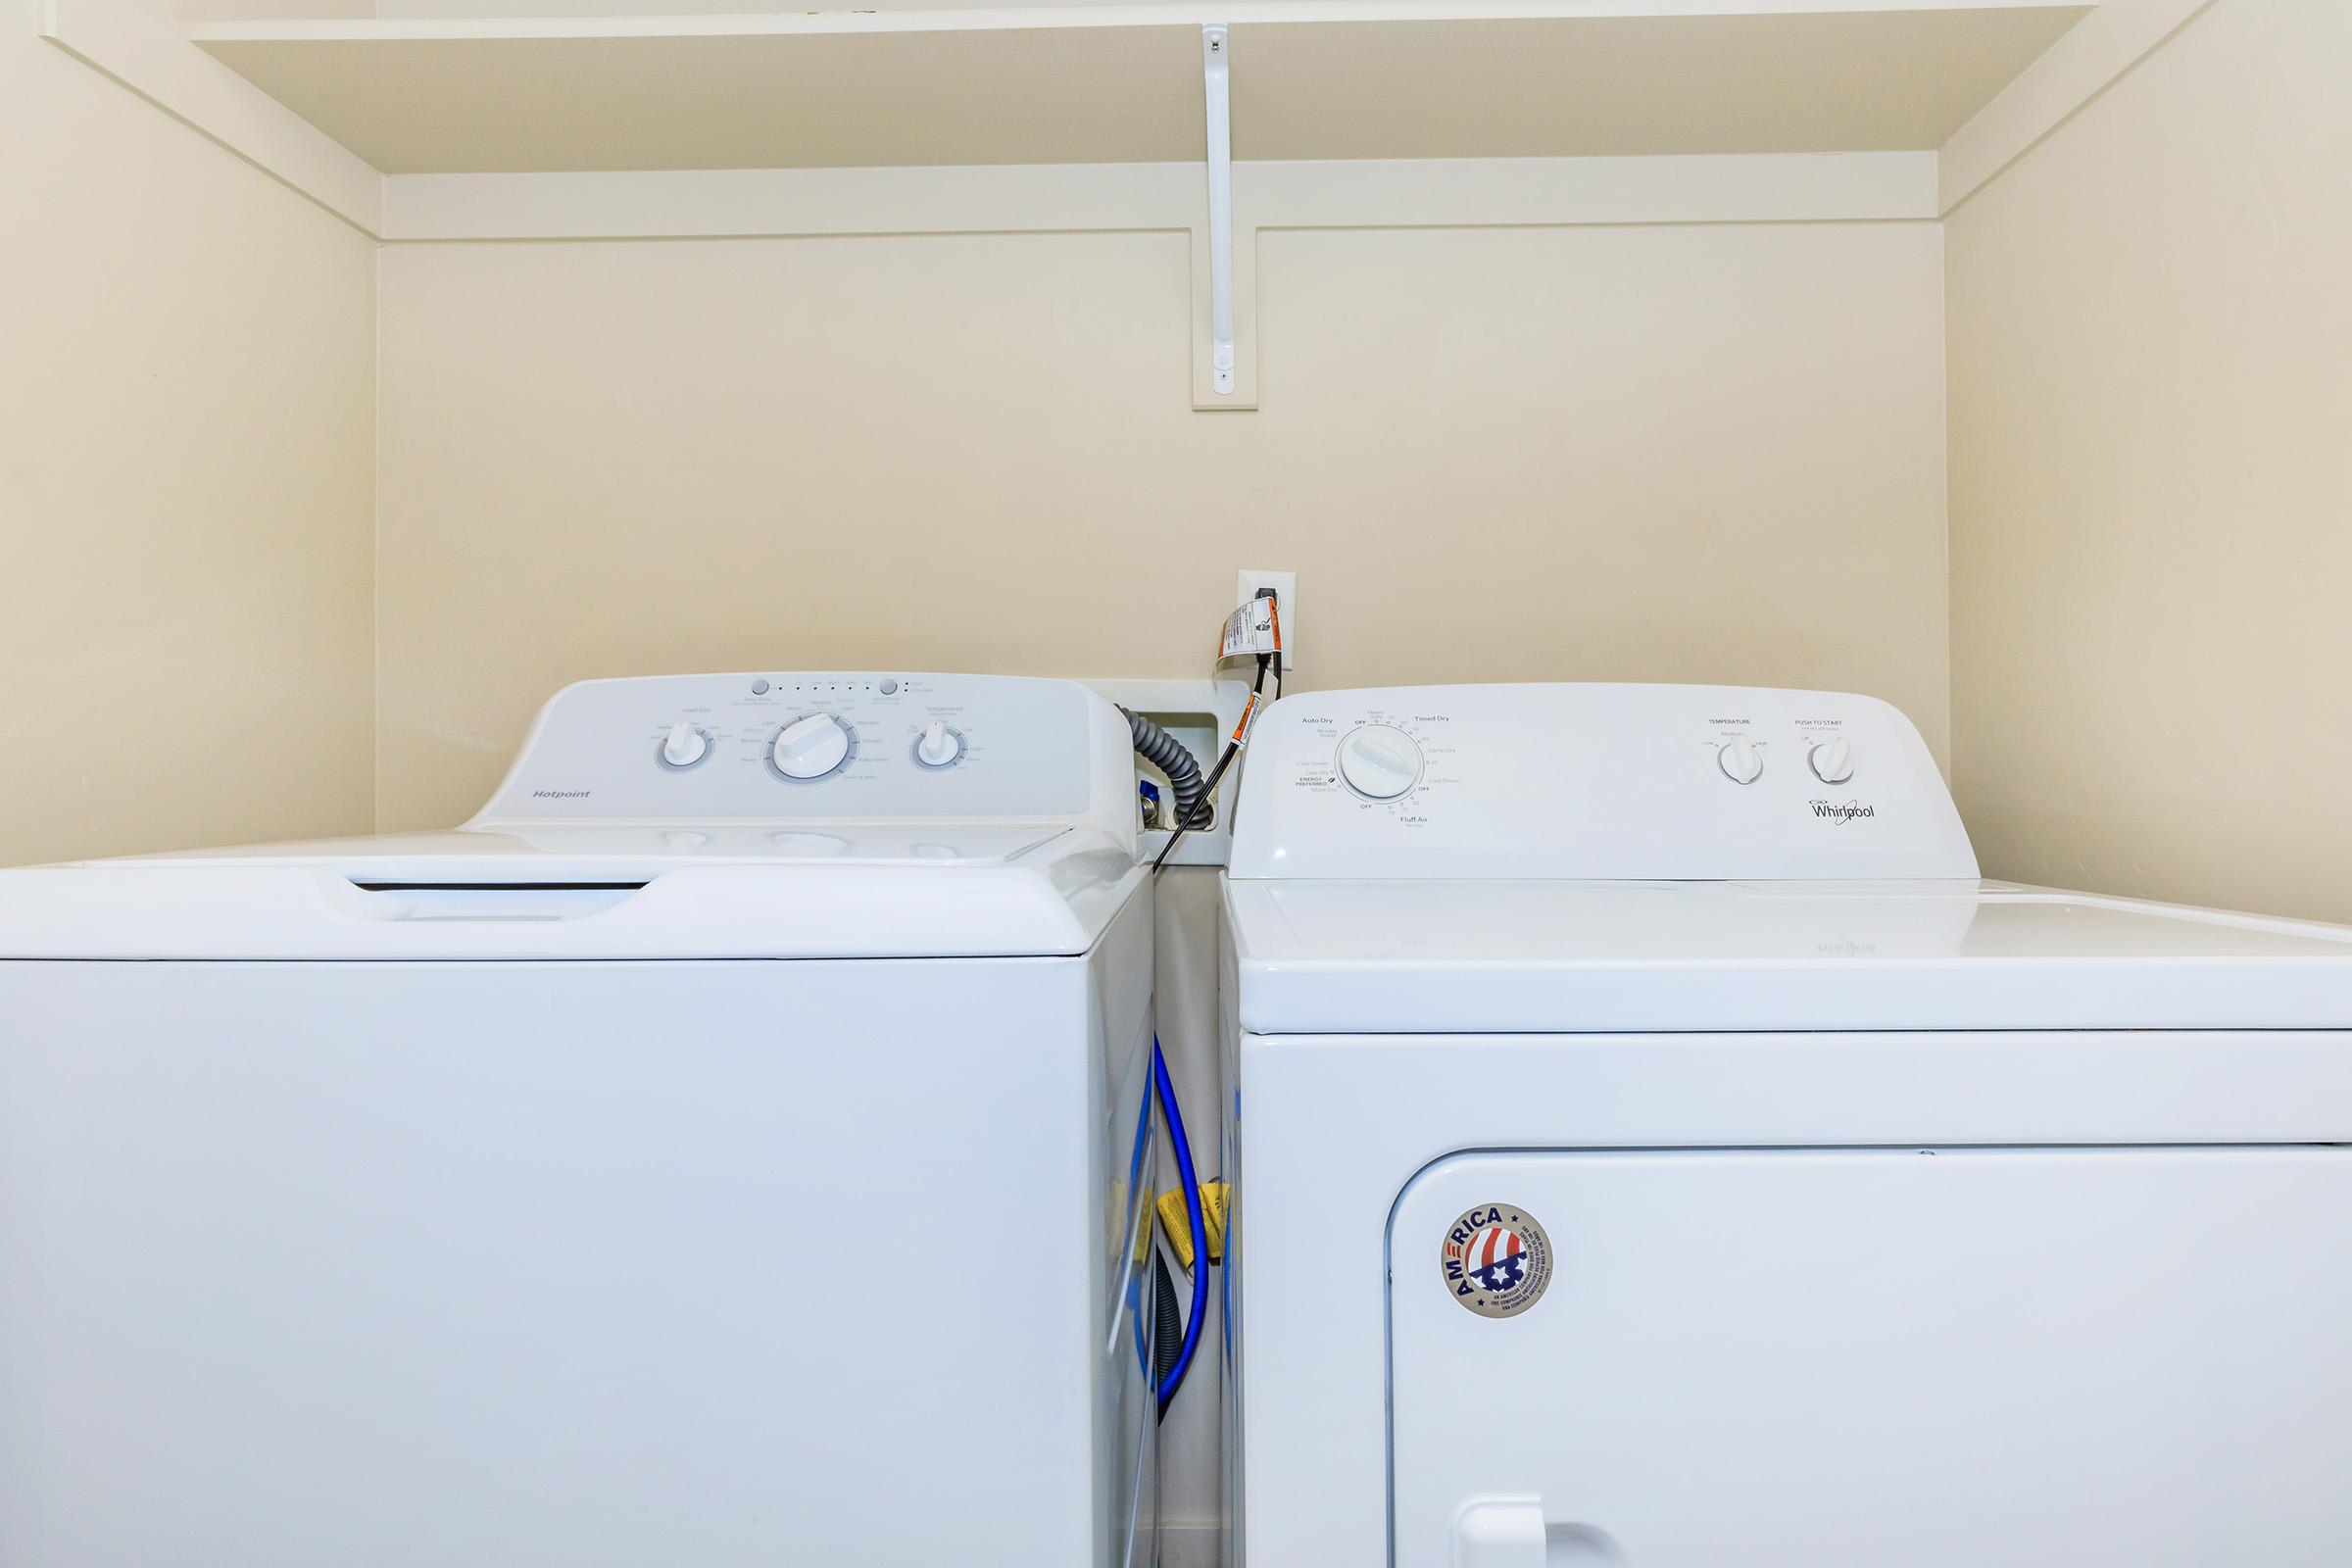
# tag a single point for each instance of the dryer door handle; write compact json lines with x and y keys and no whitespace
{"x":1514,"y":1533}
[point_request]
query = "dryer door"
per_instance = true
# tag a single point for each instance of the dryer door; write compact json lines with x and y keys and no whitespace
{"x":1937,"y":1359}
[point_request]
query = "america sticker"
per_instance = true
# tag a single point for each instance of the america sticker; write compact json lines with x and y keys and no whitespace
{"x":1497,"y":1260}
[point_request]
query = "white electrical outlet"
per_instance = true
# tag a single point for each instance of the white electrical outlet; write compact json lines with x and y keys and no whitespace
{"x":1286,"y":606}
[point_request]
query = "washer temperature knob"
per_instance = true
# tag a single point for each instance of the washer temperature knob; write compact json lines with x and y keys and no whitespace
{"x":1833,"y":760}
{"x":1740,"y":762}
{"x":811,"y":747}
{"x":939,"y":747}
{"x":1380,"y":761}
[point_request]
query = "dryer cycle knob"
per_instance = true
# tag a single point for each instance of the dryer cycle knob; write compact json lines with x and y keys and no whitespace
{"x":1380,"y":761}
{"x":1833,"y":760}
{"x":1740,"y":762}
{"x":811,"y":747}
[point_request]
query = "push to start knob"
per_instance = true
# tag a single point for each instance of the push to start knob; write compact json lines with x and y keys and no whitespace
{"x":811,"y":747}
{"x":1380,"y":761}
{"x":685,"y":745}
{"x":1740,"y":762}
{"x":1833,"y":760}
{"x":939,"y":747}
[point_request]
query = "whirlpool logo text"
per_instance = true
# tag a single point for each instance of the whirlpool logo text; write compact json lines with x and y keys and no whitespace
{"x":1842,"y":814}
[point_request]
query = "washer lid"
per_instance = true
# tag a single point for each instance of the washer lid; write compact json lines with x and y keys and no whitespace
{"x":702,"y":890}
{"x":1503,"y":956}
{"x":539,"y":853}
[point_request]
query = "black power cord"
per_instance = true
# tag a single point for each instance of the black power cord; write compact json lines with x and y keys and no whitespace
{"x":1174,"y":1340}
{"x":1185,"y":823}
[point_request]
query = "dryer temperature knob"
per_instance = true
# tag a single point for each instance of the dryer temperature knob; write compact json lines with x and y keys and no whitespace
{"x":1740,"y":762}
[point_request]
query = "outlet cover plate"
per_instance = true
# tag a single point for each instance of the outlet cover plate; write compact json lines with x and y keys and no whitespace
{"x":1286,"y":606}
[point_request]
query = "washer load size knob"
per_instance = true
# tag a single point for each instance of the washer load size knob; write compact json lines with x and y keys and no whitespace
{"x":1740,"y":762}
{"x":1380,"y":761}
{"x":1833,"y":760}
{"x":684,"y":746}
{"x":811,"y":747}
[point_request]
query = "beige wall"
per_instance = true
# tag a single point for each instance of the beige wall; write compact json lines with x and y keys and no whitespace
{"x":2151,"y":325}
{"x":186,"y":425}
{"x":1679,"y":453}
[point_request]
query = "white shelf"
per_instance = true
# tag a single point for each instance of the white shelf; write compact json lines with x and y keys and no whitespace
{"x":423,"y":128}
{"x":1121,"y":83}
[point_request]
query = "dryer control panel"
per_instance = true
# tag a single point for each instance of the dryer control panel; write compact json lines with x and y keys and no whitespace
{"x":835,"y":745}
{"x":1593,"y":781}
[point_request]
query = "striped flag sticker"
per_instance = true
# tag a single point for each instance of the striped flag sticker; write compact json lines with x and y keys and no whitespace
{"x":1497,"y":1260}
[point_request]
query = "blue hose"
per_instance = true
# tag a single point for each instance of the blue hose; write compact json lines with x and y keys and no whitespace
{"x":1194,"y":1219}
{"x":1135,"y":1280}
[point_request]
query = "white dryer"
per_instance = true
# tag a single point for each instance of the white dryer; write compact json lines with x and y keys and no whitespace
{"x":723,"y":1151}
{"x":1654,"y":1145}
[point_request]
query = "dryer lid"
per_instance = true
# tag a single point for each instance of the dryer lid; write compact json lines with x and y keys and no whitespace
{"x":1511,"y":956}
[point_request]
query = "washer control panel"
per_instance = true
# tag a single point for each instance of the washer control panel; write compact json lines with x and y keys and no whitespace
{"x":1599,"y":781}
{"x":862,"y":744}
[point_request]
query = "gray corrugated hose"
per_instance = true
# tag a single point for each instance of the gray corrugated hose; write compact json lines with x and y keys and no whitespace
{"x":1166,"y":753}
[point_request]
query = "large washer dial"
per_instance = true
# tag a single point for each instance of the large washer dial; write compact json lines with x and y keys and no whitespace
{"x":811,"y":747}
{"x":1379,"y":761}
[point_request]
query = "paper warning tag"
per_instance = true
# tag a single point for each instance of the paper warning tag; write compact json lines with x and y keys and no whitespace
{"x":1254,"y":629}
{"x":1241,"y":731}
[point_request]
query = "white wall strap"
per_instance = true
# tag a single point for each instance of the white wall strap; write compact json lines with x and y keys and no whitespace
{"x":1216,"y":69}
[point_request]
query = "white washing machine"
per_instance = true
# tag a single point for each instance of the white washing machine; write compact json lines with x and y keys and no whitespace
{"x":1655,"y":1145}
{"x":723,"y":1151}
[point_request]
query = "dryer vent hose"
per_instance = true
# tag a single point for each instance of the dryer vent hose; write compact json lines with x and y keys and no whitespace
{"x":1166,"y":753}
